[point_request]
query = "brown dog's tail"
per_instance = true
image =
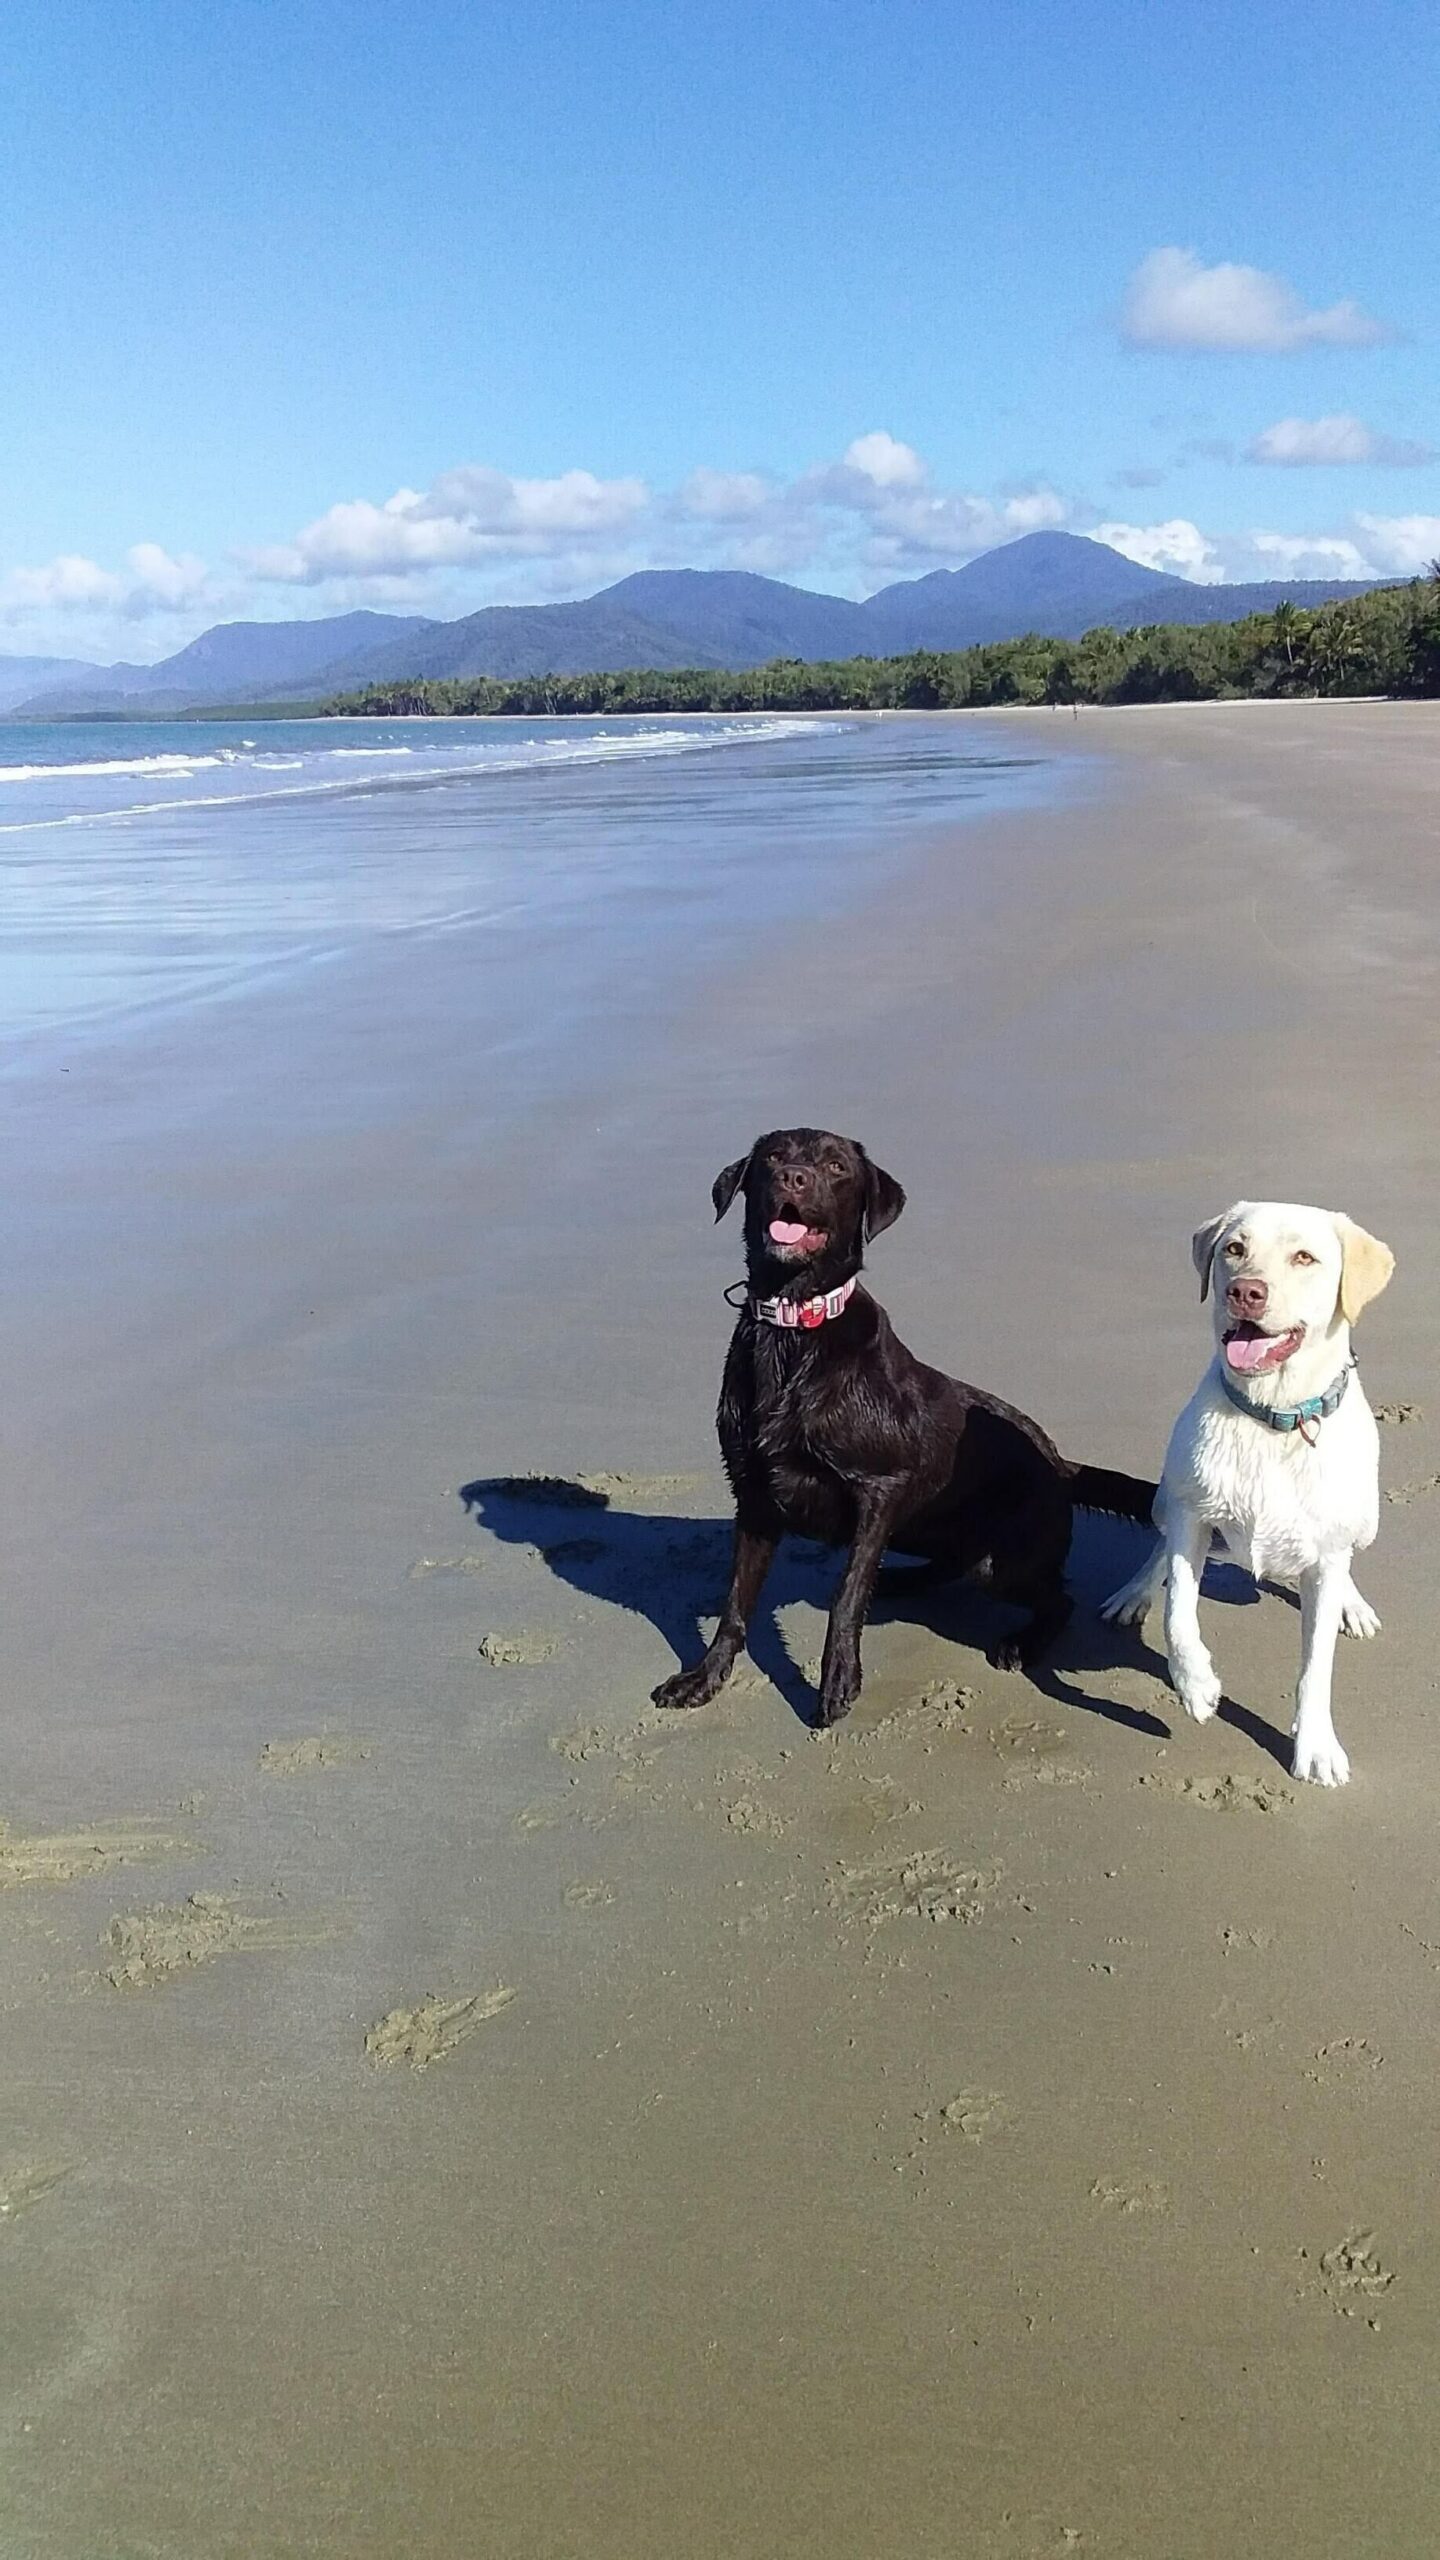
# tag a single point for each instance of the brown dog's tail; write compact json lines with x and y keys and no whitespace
{"x":1104,"y":1489}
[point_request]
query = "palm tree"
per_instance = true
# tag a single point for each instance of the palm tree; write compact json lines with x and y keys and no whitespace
{"x":1337,"y":644}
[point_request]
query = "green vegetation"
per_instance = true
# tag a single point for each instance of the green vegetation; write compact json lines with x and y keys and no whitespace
{"x":1385,"y":642}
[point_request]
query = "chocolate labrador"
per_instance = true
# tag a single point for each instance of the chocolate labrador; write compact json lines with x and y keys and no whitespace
{"x":831,"y":1429}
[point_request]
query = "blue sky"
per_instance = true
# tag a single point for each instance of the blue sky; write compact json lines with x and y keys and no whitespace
{"x":428,"y":307}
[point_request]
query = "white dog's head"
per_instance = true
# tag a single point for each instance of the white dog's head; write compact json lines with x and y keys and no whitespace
{"x":1287,"y":1280}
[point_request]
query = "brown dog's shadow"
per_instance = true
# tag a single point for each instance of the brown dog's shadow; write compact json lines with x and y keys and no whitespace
{"x":673,"y":1571}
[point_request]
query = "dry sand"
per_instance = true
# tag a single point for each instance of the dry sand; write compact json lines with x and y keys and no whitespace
{"x":1002,"y":2129}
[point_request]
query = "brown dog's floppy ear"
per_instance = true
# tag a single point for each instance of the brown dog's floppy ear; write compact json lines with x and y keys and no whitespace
{"x":1204,"y":1241}
{"x":884,"y":1199}
{"x":727,"y":1182}
{"x":1365,"y":1267}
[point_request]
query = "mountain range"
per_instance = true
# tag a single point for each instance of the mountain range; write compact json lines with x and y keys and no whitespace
{"x":1058,"y":584}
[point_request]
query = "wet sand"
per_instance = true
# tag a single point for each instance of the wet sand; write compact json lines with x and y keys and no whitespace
{"x":449,"y":2107}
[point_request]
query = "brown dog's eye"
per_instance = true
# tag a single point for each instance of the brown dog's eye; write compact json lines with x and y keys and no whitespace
{"x":835,"y":1166}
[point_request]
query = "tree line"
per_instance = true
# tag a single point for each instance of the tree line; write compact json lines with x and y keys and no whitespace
{"x":1386,"y":642}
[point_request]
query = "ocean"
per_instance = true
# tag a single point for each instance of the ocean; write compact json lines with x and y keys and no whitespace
{"x":151,"y":866}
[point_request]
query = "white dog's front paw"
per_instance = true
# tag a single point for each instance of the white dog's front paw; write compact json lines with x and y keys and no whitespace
{"x":1357,"y":1617}
{"x":1199,"y":1692}
{"x":1321,"y":1758}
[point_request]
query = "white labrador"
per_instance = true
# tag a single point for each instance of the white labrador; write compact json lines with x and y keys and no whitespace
{"x":1276,"y":1452}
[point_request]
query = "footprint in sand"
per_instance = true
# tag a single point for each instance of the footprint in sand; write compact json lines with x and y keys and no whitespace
{"x":1351,"y":2062}
{"x":58,"y":1857}
{"x":1130,"y":2196}
{"x":543,"y":1814}
{"x":520,"y":1648}
{"x":593,"y":1742}
{"x":941,"y":1707}
{"x":604,"y":1484}
{"x":926,"y":1886}
{"x":317,"y":1751}
{"x":1050,"y":1773}
{"x":1413,"y":1492}
{"x":1027,"y":1734}
{"x":151,"y":1946}
{"x":1252,"y":1795}
{"x":974,"y":2114}
{"x":445,"y":1564}
{"x":1350,"y":2276}
{"x":588,"y":1895}
{"x":750,"y":1813}
{"x":24,"y":2182}
{"x":434,"y":2027}
{"x":1399,"y":1413}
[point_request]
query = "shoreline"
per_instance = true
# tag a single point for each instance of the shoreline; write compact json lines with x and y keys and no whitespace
{"x":884,"y":2130}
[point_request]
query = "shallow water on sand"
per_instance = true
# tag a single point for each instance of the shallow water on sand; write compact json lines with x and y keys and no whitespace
{"x":152,"y":863}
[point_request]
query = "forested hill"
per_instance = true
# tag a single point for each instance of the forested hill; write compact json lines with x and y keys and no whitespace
{"x":1386,"y":641}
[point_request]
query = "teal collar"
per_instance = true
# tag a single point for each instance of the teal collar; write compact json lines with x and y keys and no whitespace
{"x":1292,"y":1417}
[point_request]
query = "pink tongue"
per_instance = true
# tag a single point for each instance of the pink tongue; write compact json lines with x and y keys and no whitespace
{"x":1261,"y":1351}
{"x":783,"y":1231}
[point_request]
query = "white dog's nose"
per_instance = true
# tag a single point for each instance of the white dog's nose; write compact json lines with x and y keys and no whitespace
{"x":1247,"y":1299}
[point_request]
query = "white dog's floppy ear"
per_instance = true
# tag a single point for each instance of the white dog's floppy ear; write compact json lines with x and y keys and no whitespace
{"x":1366,"y":1265}
{"x":728,"y":1180}
{"x":1204,"y":1241}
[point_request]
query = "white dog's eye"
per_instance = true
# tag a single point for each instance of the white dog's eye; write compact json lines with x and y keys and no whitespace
{"x":1234,"y":1249}
{"x":1303,"y":1257}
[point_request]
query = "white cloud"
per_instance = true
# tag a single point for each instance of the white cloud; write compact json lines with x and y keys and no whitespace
{"x":1338,"y":439}
{"x":1404,"y":546}
{"x":1035,"y":511}
{"x":154,"y":581}
{"x":877,"y":508}
{"x":890,"y":465}
{"x":1177,"y":545}
{"x":886,"y":488}
{"x":479,"y":535}
{"x":471,"y":514}
{"x":1174,"y":301}
{"x":1311,"y":555}
{"x":723,"y":497}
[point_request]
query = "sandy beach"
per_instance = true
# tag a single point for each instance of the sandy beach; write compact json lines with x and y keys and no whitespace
{"x":450,"y":2108}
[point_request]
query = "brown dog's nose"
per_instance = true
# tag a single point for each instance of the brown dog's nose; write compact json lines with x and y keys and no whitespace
{"x":796,"y":1179}
{"x":1247,"y":1299}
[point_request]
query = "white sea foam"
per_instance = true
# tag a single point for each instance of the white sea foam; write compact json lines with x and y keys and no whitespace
{"x":83,"y":765}
{"x":598,"y":747}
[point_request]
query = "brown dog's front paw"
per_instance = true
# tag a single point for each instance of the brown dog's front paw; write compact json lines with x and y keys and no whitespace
{"x":692,"y":1688}
{"x":839,"y":1690}
{"x":1009,"y":1654}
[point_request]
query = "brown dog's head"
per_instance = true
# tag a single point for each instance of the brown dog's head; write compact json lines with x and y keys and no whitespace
{"x":812,"y":1202}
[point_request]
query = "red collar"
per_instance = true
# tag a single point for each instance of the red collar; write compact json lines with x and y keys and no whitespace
{"x":806,"y":1312}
